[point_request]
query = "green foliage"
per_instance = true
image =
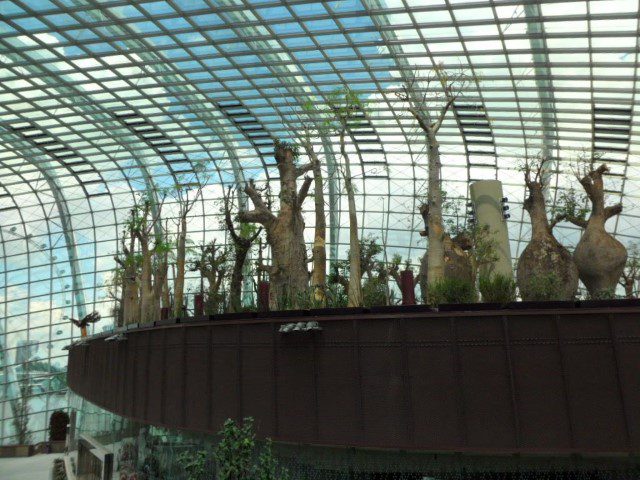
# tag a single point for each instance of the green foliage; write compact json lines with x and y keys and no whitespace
{"x":343,"y":104}
{"x":452,"y":290}
{"x":570,"y":204}
{"x":485,"y":246}
{"x":497,"y":288}
{"x":609,"y":294}
{"x":374,"y":292}
{"x":248,"y":230}
{"x":268,"y":467}
{"x":335,"y":297}
{"x":544,"y":288}
{"x":453,"y":214}
{"x":234,"y":455}
{"x":287,"y":145}
{"x":194,"y":464}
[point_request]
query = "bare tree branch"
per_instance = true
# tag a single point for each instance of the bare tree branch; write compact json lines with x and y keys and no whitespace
{"x":612,"y":210}
{"x":304,"y":189}
{"x":256,"y":216}
{"x":557,"y":219}
{"x":304,"y":169}
{"x":577,"y":221}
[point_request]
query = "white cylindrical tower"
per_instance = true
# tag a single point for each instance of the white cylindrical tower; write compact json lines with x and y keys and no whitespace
{"x":488,"y":203}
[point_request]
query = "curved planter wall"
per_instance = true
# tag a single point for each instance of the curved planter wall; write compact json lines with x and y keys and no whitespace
{"x":530,"y":381}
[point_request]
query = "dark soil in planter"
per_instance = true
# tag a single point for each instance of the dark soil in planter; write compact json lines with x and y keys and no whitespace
{"x":338,"y":311}
{"x":542,"y":305}
{"x":169,"y":321}
{"x":199,"y":318}
{"x":282,"y":314}
{"x":470,"y":307}
{"x":613,"y":303}
{"x":402,"y":309}
{"x":233,"y":316}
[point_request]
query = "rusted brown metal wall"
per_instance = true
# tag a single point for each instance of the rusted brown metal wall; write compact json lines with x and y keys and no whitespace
{"x":543,"y":381}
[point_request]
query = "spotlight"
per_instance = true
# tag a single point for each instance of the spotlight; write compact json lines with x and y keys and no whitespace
{"x":118,"y":337}
{"x":287,"y":327}
{"x":300,"y":327}
{"x":505,"y":208}
{"x":504,"y":199}
{"x":507,"y":216}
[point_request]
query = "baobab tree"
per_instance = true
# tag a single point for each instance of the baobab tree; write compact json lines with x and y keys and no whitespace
{"x":600,"y":258}
{"x":546,"y":270}
{"x":186,"y":196}
{"x":438,"y":91}
{"x":346,"y":110}
{"x":213,"y":264}
{"x":242,"y":238}
{"x":288,"y":273}
{"x":141,"y":226}
{"x":457,"y":260}
{"x":319,"y":251}
{"x":128,"y":271}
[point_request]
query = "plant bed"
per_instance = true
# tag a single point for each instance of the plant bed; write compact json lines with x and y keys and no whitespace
{"x":196,"y":319}
{"x":614,"y":302}
{"x":401,"y":309}
{"x":466,"y":307}
{"x":282,"y":313}
{"x":533,"y":305}
{"x":232,"y":316}
{"x":169,"y":321}
{"x":8,"y":451}
{"x":319,"y":312}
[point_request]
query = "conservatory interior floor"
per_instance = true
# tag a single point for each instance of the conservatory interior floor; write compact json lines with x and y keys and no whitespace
{"x":37,"y":467}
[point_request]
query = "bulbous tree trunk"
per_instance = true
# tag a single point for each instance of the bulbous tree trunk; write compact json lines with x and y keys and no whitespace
{"x":288,"y":275}
{"x":147,"y":298}
{"x":130,"y":304}
{"x":544,"y":257}
{"x":457,"y":262}
{"x":599,"y":256}
{"x":141,"y":226}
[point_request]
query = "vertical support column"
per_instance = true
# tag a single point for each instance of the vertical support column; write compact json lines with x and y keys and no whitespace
{"x":486,"y":196}
{"x":70,"y":243}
